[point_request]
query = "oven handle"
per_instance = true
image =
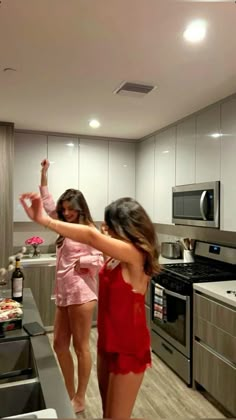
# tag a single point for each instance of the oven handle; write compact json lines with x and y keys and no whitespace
{"x":174,"y":294}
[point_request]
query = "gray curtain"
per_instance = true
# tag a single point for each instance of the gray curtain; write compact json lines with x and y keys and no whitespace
{"x":6,"y":191}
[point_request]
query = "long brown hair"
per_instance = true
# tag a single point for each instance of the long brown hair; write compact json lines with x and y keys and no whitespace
{"x":128,"y":220}
{"x":78,"y":203}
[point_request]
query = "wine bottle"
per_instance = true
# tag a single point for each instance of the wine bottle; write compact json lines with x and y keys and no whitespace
{"x":17,"y":282}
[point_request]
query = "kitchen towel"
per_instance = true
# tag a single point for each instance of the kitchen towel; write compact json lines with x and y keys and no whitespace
{"x":159,"y":303}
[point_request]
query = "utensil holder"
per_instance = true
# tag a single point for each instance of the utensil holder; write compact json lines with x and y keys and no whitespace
{"x":188,"y":256}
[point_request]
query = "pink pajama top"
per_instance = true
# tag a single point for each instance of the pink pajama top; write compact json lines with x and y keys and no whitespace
{"x":71,"y":287}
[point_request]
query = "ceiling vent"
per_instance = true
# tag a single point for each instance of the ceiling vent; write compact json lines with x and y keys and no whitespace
{"x":134,"y":89}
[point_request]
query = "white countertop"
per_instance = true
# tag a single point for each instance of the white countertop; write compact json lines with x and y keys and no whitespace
{"x":218,"y":290}
{"x":44,"y":259}
{"x":163,"y":260}
{"x":50,"y":259}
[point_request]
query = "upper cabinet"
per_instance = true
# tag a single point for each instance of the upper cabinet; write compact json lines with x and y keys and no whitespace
{"x":228,"y":164}
{"x":93,"y":175}
{"x":121,"y":170}
{"x":64,"y":164}
{"x":186,"y":152}
{"x":164,"y":175}
{"x":29,"y":150}
{"x":208,"y":145}
{"x":145,"y":175}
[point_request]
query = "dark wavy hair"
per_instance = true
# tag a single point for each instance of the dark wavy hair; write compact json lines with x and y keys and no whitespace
{"x":128,"y":221}
{"x":78,"y":203}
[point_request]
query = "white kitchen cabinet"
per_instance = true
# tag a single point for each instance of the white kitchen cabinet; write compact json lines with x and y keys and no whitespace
{"x":186,"y":152}
{"x":29,"y":150}
{"x":228,"y":164}
{"x":164,"y":175}
{"x":121,"y":170}
{"x":145,"y":174}
{"x":93,"y":175}
{"x":63,"y":154}
{"x":208,"y":145}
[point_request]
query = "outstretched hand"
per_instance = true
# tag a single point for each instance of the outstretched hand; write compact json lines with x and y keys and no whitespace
{"x":35,"y":211}
{"x":45,"y":164}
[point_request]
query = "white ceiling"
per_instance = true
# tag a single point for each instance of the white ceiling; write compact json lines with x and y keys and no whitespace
{"x":71,"y":54}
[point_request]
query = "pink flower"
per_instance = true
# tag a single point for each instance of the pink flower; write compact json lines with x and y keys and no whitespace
{"x":35,"y":240}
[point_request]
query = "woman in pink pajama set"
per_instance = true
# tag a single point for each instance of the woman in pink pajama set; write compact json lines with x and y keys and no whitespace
{"x":75,"y":291}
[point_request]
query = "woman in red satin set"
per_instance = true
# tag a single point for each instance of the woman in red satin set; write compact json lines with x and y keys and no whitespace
{"x":123,"y":335}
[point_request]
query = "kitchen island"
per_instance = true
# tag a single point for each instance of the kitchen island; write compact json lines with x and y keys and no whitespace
{"x":52,"y":385}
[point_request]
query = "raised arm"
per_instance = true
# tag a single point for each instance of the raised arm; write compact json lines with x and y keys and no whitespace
{"x":48,"y":202}
{"x":44,"y":172}
{"x":120,"y":250}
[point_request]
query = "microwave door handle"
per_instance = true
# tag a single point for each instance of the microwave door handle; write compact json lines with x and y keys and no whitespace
{"x":202,"y":204}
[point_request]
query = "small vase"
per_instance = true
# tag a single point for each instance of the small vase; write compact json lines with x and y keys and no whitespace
{"x":36,"y":251}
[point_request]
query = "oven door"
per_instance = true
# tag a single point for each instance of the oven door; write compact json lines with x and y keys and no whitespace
{"x":175,"y":327}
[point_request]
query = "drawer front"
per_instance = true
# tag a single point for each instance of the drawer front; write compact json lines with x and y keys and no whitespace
{"x":216,"y":375}
{"x":222,"y":342}
{"x":172,"y":357}
{"x":217,"y":314}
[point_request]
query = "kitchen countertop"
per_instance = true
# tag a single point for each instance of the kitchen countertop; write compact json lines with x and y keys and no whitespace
{"x":50,"y":259}
{"x":44,"y":259}
{"x":163,"y":260}
{"x":218,"y":290}
{"x":54,"y":391}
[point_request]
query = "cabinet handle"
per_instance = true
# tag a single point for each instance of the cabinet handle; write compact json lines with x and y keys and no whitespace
{"x":167,"y":348}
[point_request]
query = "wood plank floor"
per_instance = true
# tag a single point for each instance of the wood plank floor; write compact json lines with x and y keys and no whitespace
{"x":162,"y":395}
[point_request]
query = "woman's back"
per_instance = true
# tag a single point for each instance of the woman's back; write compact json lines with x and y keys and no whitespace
{"x":122,"y":324}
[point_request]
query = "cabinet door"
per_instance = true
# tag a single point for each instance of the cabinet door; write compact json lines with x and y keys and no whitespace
{"x":47,"y":305}
{"x":40,"y":279}
{"x":208,"y":145}
{"x":64,"y":160}
{"x":164,"y":175}
{"x":93,"y":175}
{"x":228,"y":164}
{"x":145,"y":174}
{"x":29,"y":150}
{"x":216,"y":375}
{"x":121,"y":172}
{"x":186,"y":152}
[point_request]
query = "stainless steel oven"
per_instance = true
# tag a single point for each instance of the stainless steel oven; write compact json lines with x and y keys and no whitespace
{"x":197,"y":204}
{"x":171,"y":333}
{"x":172,"y":304}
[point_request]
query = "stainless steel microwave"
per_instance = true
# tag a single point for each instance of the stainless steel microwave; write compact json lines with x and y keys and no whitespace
{"x":197,"y":204}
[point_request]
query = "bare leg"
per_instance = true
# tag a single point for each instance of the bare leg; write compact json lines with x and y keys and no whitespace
{"x":80,"y":323}
{"x":62,"y":337}
{"x":122,"y":393}
{"x":103,"y":379}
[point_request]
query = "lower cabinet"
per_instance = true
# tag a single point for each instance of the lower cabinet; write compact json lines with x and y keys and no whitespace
{"x":214,"y":350}
{"x":40,"y":279}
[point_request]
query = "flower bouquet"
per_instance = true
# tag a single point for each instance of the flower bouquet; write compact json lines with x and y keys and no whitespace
{"x":35,"y":241}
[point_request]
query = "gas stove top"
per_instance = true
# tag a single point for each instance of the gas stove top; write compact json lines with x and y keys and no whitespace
{"x":201,"y":271}
{"x":213,"y":262}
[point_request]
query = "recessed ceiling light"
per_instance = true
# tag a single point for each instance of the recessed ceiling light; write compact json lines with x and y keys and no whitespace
{"x":94,"y":123}
{"x":196,"y":31}
{"x":216,"y":135}
{"x":70,"y":144}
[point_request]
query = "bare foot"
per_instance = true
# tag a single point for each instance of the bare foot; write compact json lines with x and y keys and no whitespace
{"x":78,"y":405}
